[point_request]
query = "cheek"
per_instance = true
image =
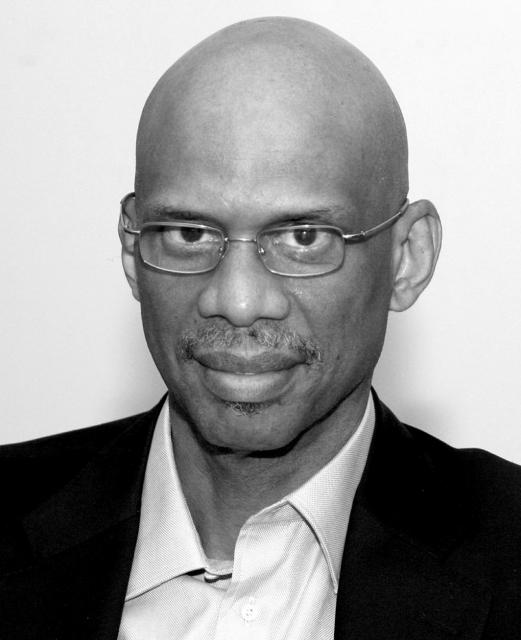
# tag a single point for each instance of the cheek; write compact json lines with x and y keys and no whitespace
{"x":347,"y":311}
{"x":167,"y":309}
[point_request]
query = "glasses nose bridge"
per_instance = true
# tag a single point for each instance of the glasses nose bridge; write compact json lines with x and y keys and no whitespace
{"x":255,"y":241}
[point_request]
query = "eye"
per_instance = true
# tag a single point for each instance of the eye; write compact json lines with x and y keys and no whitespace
{"x":185,"y":235}
{"x":191,"y":234}
{"x":305,"y":237}
{"x":302,"y":237}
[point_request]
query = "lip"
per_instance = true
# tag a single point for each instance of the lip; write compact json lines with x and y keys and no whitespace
{"x":254,"y":364}
{"x":260,"y":377}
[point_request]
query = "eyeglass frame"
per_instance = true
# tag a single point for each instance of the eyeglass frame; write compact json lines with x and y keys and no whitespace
{"x":349,"y":238}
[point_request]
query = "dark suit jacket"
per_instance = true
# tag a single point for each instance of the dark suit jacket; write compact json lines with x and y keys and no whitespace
{"x":433,"y":549}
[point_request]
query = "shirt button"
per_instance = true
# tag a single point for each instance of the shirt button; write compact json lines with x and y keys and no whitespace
{"x":250,"y":610}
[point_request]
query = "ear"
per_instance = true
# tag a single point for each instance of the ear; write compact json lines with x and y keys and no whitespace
{"x":128,"y":242}
{"x":416,"y":246}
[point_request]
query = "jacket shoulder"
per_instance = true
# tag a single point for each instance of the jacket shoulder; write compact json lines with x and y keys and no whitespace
{"x":483,"y":486}
{"x":80,"y":440}
{"x":470,"y":486}
{"x":480,"y":467}
{"x":32,"y":470}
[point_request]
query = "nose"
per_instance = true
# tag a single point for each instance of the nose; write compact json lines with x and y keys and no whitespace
{"x":242,"y":290}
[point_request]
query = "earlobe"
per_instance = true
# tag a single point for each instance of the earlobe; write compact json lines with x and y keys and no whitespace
{"x":129,"y":267}
{"x":416,"y":246}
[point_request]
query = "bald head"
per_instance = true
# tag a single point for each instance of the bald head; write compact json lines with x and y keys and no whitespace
{"x":267,"y":97}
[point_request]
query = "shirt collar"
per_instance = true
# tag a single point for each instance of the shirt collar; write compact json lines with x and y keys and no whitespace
{"x":326,"y":499}
{"x":168,"y":544}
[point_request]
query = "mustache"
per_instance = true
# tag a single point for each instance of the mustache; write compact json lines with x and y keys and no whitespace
{"x":268,"y":336}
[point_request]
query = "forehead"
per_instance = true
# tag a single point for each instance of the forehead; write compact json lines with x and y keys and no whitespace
{"x":250,"y":134}
{"x":263,"y":119}
{"x":254,"y":172}
{"x":250,"y":199}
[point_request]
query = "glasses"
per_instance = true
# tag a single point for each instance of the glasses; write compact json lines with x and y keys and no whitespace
{"x":297,"y":251}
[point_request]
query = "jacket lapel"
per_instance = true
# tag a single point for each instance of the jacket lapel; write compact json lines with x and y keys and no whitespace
{"x":398,"y":579}
{"x":81,"y":543}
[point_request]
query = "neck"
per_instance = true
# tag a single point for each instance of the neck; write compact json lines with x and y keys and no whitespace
{"x":223,"y":490}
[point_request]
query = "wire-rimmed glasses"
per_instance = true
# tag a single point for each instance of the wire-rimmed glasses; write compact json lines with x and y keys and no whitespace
{"x":297,"y":251}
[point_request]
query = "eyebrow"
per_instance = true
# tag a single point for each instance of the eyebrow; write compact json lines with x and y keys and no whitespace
{"x":160,"y":211}
{"x":321,"y":214}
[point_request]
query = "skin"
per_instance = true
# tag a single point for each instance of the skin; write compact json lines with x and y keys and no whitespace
{"x":268,"y":121}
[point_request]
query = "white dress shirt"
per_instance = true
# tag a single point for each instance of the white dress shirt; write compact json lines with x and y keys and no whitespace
{"x":286,"y":563}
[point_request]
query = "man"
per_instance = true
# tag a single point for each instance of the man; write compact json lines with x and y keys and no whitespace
{"x":271,"y":494}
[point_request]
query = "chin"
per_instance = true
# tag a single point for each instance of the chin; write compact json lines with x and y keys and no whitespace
{"x":248,"y":427}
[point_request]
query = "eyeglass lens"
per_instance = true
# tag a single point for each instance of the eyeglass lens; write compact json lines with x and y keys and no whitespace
{"x":181,"y":248}
{"x":302,"y":250}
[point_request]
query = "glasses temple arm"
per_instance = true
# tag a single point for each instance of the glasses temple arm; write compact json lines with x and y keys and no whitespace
{"x":363,"y":235}
{"x":123,"y":213}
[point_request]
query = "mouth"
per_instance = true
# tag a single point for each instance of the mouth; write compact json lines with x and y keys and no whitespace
{"x":252,"y":364}
{"x":257,"y":377}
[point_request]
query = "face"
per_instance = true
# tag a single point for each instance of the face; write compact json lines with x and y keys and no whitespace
{"x":254,"y":359}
